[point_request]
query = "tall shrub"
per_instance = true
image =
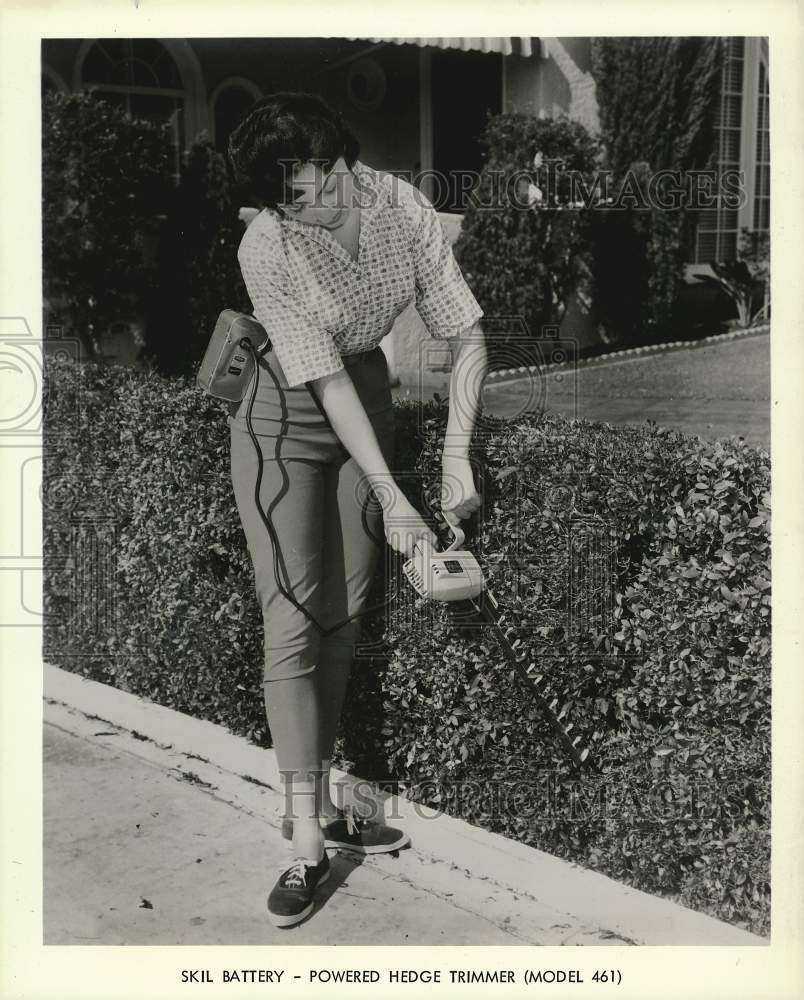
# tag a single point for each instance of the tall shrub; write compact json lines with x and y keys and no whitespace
{"x":657,"y":99}
{"x":523,"y":259}
{"x":105,"y":181}
{"x":198,"y":273}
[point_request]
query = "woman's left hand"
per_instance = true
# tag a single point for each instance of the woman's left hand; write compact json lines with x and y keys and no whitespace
{"x":459,"y":497}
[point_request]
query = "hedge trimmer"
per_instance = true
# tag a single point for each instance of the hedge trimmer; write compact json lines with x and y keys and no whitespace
{"x":454,"y":575}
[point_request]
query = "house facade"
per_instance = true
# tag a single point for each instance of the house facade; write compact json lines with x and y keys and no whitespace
{"x":418,"y":106}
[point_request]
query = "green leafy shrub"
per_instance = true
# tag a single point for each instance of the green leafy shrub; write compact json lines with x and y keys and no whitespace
{"x":633,"y":561}
{"x":105,"y":182}
{"x":522,"y":262}
{"x":673,"y":699}
{"x":739,"y":278}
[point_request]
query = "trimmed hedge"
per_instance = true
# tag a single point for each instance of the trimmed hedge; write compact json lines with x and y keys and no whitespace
{"x":633,"y":560}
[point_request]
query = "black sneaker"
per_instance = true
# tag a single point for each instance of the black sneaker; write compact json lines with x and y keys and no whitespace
{"x":356,"y":833}
{"x":291,"y":899}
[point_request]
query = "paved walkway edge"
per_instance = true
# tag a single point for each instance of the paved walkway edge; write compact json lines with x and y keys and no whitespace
{"x":647,"y":350}
{"x":593,"y":898}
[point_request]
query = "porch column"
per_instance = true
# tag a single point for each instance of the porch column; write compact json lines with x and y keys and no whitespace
{"x":426,"y":120}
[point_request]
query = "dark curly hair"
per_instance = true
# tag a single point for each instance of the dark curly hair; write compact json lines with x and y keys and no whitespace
{"x":286,"y":126}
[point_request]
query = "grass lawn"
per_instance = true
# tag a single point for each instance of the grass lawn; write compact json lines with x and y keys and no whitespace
{"x":714,"y":390}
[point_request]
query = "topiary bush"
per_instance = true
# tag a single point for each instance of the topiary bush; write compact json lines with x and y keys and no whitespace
{"x":632,"y":561}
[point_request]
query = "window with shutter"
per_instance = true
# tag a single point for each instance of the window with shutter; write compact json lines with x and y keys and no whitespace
{"x":742,"y":144}
{"x":716,"y":232}
{"x":761,"y":220}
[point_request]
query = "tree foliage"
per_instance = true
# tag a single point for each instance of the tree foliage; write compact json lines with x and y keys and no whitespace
{"x":657,"y":100}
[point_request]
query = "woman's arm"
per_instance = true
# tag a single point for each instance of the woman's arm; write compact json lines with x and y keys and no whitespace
{"x":450,"y":311}
{"x":338,"y":396}
{"x":470,"y":361}
{"x":469,"y":364}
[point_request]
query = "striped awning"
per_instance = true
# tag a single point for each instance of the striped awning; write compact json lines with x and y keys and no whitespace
{"x":507,"y":46}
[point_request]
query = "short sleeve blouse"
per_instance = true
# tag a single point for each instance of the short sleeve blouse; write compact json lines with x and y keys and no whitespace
{"x":317,"y":303}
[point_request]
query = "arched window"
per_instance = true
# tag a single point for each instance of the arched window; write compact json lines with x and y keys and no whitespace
{"x":230,"y":100}
{"x":141,"y":76}
{"x":52,"y":82}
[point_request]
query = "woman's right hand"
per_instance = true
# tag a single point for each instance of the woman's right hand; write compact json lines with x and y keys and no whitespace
{"x":404,"y":525}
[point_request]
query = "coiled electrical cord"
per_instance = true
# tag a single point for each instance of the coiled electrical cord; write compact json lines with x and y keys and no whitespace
{"x":246,"y":344}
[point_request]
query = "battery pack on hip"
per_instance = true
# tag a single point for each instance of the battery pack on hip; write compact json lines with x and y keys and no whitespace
{"x":228,"y":364}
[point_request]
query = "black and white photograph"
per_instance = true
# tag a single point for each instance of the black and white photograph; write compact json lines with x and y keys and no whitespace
{"x":403,"y":409}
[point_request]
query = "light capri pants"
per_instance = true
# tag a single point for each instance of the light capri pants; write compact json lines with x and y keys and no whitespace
{"x":327,"y":521}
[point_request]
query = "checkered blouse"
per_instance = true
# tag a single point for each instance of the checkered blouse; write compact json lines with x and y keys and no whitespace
{"x":318,"y":304}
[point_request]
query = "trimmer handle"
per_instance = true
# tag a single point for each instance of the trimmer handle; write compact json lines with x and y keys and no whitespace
{"x":457,"y":531}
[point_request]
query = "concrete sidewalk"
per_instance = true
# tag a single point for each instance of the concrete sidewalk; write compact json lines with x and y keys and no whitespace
{"x":160,"y":829}
{"x":137,"y":854}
